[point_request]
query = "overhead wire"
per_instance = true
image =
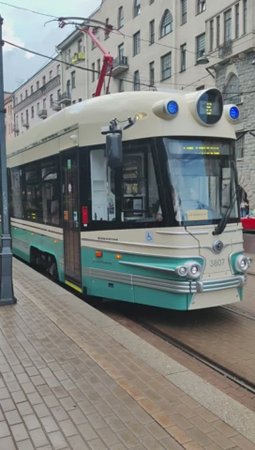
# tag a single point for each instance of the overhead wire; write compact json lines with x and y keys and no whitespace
{"x":114,"y":30}
{"x":87,"y":69}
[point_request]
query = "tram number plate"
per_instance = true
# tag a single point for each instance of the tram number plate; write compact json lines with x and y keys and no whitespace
{"x":219,"y":262}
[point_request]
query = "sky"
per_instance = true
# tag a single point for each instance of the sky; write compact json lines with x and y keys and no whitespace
{"x":24,"y":26}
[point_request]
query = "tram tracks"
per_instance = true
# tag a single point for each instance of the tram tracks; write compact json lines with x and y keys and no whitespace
{"x":198,"y":356}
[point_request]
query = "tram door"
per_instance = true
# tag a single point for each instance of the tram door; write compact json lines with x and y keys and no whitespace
{"x":71,"y":223}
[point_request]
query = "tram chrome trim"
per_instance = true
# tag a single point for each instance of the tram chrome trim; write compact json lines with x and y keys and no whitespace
{"x":174,"y":286}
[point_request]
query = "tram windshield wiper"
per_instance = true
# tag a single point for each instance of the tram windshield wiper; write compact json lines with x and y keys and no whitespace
{"x":224,"y":220}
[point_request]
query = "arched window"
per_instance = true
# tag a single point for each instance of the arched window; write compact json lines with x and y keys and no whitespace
{"x":232,"y":90}
{"x":166,"y":26}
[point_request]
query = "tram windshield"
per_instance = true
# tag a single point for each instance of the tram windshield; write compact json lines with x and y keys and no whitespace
{"x":203,"y":176}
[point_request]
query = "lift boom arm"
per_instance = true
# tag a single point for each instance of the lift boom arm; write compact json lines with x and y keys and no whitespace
{"x":107,"y":63}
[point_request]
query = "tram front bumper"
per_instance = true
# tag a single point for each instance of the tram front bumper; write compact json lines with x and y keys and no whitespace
{"x":236,"y":281}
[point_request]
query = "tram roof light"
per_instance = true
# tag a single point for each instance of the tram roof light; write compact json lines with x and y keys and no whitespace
{"x":172,"y":108}
{"x":166,"y":109}
{"x":233,"y":112}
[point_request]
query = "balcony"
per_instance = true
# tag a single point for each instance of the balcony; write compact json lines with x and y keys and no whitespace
{"x":56,"y":106}
{"x":42,"y":113}
{"x":65,"y":98}
{"x":225,"y":49}
{"x":80,"y":56}
{"x":120,"y":65}
{"x":25,"y":124}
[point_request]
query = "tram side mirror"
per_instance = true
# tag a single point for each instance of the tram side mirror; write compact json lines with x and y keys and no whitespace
{"x":114,"y":150}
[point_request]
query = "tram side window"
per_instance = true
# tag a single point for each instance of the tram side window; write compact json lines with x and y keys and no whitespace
{"x":126,"y":194}
{"x":140,"y":198}
{"x":50,"y":192}
{"x":102,"y":188}
{"x":16,"y":193}
{"x":33,"y":194}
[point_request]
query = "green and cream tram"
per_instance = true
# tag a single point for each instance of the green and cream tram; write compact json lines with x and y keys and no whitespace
{"x":133,"y":197}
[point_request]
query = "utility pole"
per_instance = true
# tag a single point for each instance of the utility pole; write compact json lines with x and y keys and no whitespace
{"x":6,"y":286}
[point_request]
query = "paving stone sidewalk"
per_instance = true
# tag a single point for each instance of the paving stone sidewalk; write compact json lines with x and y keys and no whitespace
{"x":72,"y":378}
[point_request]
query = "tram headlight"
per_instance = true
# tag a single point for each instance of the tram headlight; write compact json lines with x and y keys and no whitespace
{"x":189,"y":270}
{"x":182,"y":271}
{"x":242,"y":263}
{"x":194,"y":271}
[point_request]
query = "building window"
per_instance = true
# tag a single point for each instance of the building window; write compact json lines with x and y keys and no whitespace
{"x":58,"y":69}
{"x":51,"y":99}
{"x":136,"y":81}
{"x":98,"y":67}
{"x":183,"y":51}
{"x":68,"y":88}
{"x":151,"y":1}
{"x":37,"y":107}
{"x":26,"y":93}
{"x":183,"y":11}
{"x":73,"y":79}
{"x":152,"y":73}
{"x":32,"y":112}
{"x":120,"y":17}
{"x":121,"y":53}
{"x":50,"y":74}
{"x":201,"y":6}
{"x":44,"y":103}
{"x":93,"y":67}
{"x":136,"y":43}
{"x":152,"y":32}
{"x":244,"y":16}
{"x":217,"y":31}
{"x":227,"y":25}
{"x":166,"y":66}
{"x":95,"y":32}
{"x":32,"y":89}
{"x":79,"y":45}
{"x":69,"y":57}
{"x":232,"y":91}
{"x":239,"y":145}
{"x":58,"y":94}
{"x":237,"y":20}
{"x":37,"y":85}
{"x":166,"y":23}
{"x":211,"y":35}
{"x":121,"y":85}
{"x":200,"y":46}
{"x":107,"y":28}
{"x":137,"y":7}
{"x":43,"y":80}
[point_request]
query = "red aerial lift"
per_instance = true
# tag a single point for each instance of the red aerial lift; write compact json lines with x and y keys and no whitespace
{"x":89,"y":29}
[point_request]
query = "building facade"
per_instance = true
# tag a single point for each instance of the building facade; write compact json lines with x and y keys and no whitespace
{"x":37,"y":98}
{"x":155,"y":44}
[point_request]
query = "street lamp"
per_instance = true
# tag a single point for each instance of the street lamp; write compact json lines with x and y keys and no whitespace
{"x":6,"y":286}
{"x":204,"y":60}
